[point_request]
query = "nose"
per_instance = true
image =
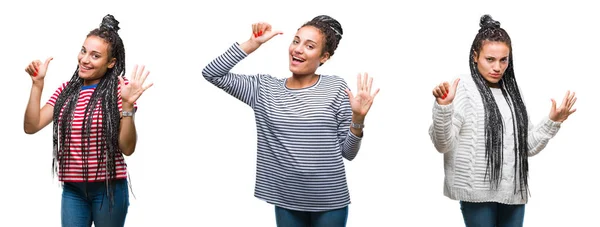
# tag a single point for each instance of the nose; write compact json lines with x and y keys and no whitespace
{"x":298,"y":49}
{"x":85,"y":58}
{"x":496,"y":66}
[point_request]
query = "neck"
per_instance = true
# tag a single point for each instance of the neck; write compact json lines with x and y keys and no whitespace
{"x":493,"y":85}
{"x":302,"y":81}
{"x":90,"y":82}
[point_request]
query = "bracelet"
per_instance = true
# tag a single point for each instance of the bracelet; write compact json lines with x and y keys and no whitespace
{"x":357,"y":126}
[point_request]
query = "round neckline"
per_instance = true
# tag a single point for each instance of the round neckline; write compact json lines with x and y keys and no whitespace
{"x":304,"y":88}
{"x":89,"y":86}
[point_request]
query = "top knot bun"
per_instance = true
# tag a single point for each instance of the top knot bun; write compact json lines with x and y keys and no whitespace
{"x":109,"y":22}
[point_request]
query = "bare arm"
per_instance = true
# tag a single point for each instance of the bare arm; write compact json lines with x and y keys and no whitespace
{"x":130,"y":92}
{"x":37,"y":118}
{"x":127,"y":132}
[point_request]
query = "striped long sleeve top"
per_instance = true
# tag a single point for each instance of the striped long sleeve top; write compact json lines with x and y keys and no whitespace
{"x":303,"y":135}
{"x":458,"y":132}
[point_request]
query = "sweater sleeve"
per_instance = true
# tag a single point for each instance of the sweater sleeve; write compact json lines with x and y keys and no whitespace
{"x":539,"y":135}
{"x":349,"y":142}
{"x":447,"y":122}
{"x":243,"y":87}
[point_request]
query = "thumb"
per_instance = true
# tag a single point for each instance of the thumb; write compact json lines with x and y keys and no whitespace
{"x":350,"y":94}
{"x":121,"y":82}
{"x":455,"y":84}
{"x":553,"y":106}
{"x":274,"y":33}
{"x":48,"y":61}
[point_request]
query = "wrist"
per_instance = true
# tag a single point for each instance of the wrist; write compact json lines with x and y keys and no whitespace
{"x":358,"y":119}
{"x":38,"y":83}
{"x":127,"y":106}
{"x":250,"y":46}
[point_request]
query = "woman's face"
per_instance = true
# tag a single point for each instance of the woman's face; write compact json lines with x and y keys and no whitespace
{"x":306,"y":51}
{"x":492,"y":61}
{"x":94,"y":60}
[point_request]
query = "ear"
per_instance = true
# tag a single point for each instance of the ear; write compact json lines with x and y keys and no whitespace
{"x":112,"y":63}
{"x":324,"y":57}
{"x":475,"y":56}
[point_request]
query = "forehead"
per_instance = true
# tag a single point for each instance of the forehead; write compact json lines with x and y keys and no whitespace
{"x":95,"y":43}
{"x":494,"y":48}
{"x":310,"y":33}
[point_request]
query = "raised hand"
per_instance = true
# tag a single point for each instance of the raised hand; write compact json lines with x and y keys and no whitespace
{"x":134,"y":89}
{"x":263,"y":32}
{"x":37,"y":70}
{"x":563,"y":111}
{"x":444,"y":93}
{"x":361,"y":103}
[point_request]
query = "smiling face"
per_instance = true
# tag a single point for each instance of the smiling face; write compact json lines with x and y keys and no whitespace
{"x":94,"y":60}
{"x":492,"y":61}
{"x":306,"y":51}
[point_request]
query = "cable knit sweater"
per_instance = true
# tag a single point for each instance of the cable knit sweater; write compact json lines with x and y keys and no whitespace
{"x":458,"y":132}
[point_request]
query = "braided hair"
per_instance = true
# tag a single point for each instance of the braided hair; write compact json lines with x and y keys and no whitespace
{"x":105,"y":96}
{"x":490,"y":31}
{"x":331,"y":28}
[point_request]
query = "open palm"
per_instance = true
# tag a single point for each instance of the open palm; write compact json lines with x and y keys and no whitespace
{"x":361,"y":103}
{"x":562,"y":112}
{"x":133,"y":90}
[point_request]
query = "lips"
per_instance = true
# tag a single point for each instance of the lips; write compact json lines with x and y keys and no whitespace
{"x":298,"y":59}
{"x":84,"y":68}
{"x":495,"y":75}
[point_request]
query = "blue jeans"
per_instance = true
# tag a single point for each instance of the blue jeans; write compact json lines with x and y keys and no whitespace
{"x":292,"y":218}
{"x":492,"y":214}
{"x":81,"y":207}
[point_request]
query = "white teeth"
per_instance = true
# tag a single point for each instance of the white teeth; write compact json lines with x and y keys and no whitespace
{"x":86,"y":68}
{"x":297,"y":59}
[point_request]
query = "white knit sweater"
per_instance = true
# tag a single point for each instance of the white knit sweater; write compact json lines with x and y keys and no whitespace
{"x":458,"y":132}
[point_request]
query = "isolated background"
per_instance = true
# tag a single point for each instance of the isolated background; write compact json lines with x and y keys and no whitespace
{"x":195,"y":160}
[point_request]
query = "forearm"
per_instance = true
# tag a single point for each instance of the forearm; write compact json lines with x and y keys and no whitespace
{"x":540,"y":134}
{"x":249,"y":46}
{"x":357,"y":119}
{"x":127,"y":133}
{"x":442,"y":130}
{"x":31,"y":122}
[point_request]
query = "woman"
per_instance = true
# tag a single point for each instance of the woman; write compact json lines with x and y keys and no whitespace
{"x":93,"y":128}
{"x":307,"y":123}
{"x":481,"y":126}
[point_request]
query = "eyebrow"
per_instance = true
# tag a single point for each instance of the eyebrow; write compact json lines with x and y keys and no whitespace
{"x":309,"y":40}
{"x":93,"y":51}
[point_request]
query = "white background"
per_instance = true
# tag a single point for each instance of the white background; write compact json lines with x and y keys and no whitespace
{"x":195,"y":160}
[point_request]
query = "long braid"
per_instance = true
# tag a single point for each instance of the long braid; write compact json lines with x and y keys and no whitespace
{"x":494,"y":131}
{"x":106,"y":97}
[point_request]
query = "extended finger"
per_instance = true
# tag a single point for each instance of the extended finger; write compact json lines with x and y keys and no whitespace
{"x":140,"y":72}
{"x":358,"y":82}
{"x":145,"y":87}
{"x":350,"y":95}
{"x":565,"y":99}
{"x":134,"y":72}
{"x":572,"y":102}
{"x":369,"y":85}
{"x":365,"y":81}
{"x":144,"y":76}
{"x":375,"y":94}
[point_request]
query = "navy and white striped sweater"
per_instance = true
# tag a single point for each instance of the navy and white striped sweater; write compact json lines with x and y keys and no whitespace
{"x":303,"y":135}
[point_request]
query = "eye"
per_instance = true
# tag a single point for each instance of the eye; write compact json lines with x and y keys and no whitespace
{"x":489,"y":59}
{"x":82,"y":51}
{"x":504,"y":60}
{"x":95,"y":56}
{"x":310,"y":47}
{"x":295,"y":41}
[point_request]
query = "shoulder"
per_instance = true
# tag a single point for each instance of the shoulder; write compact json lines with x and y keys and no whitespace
{"x":334,"y":80}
